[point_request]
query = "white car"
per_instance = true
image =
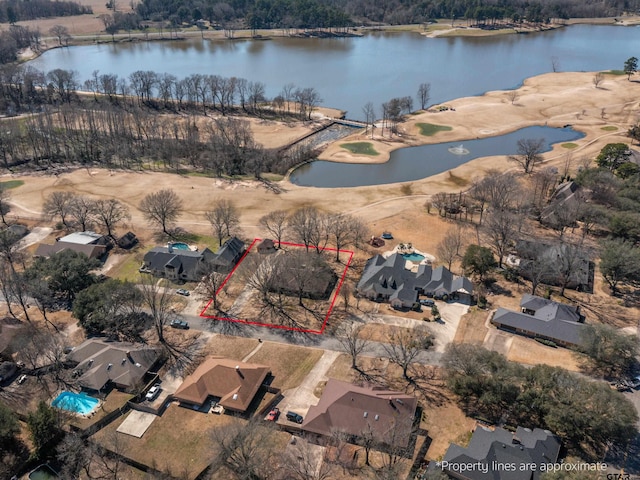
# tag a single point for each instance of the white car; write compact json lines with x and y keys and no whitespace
{"x":153,"y":392}
{"x":22,"y":379}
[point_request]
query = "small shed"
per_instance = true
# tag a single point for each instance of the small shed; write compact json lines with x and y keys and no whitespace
{"x":266,"y":246}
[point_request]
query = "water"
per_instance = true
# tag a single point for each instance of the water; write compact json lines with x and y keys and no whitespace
{"x":43,"y":472}
{"x":459,"y":150}
{"x":180,"y":246}
{"x":75,"y":402}
{"x":414,"y":163}
{"x":349,"y":72}
{"x":413,"y":257}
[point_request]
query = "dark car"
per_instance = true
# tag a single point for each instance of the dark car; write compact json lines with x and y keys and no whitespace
{"x":273,"y":415}
{"x":387,"y":235}
{"x":427,"y":302}
{"x":294,"y":417}
{"x":179,"y":324}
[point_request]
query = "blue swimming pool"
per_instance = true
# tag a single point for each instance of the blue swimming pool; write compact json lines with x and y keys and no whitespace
{"x":180,"y":246}
{"x":75,"y":402}
{"x":413,"y":257}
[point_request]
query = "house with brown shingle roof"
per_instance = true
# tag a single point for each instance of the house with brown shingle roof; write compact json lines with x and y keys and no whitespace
{"x":233,"y":384}
{"x":386,"y":414}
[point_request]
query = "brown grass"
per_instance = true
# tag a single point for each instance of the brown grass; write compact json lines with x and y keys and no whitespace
{"x":227,"y":346}
{"x":177,"y":442}
{"x":471,"y":328}
{"x":530,"y":352}
{"x":289,"y":364}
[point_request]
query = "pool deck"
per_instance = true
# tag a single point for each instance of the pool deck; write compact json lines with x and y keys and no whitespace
{"x":413,"y":266}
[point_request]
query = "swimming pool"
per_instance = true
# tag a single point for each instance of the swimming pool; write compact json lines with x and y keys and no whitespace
{"x":180,"y":246}
{"x":43,"y":472}
{"x":413,"y":257}
{"x":75,"y":402}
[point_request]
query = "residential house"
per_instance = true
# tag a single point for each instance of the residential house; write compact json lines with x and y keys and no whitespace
{"x":91,"y":251}
{"x":187,"y":265}
{"x":497,"y":454}
{"x":91,"y":244}
{"x":230,"y":383}
{"x":387,"y":415}
{"x":99,"y":364}
{"x":388,"y":279}
{"x":311,"y":278}
{"x":545,"y":319}
{"x":582,"y":271}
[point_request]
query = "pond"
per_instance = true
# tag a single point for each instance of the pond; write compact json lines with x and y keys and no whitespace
{"x":415,"y":163}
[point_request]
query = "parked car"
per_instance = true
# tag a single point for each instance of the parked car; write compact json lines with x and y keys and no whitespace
{"x":294,"y":417}
{"x":153,"y":392}
{"x":387,"y":235}
{"x":273,"y":415}
{"x":183,"y":292}
{"x":635,"y":383}
{"x":22,"y":379}
{"x":176,"y":323}
{"x":427,"y":302}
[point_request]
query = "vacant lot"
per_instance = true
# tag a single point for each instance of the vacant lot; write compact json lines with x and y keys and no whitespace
{"x":530,"y":352}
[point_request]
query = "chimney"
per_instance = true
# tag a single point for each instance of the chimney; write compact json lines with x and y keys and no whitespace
{"x":238,"y":371}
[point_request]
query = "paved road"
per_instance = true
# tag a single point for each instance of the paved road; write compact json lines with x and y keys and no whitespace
{"x":325,"y":342}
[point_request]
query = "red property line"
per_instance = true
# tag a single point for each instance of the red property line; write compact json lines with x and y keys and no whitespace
{"x":270,"y":325}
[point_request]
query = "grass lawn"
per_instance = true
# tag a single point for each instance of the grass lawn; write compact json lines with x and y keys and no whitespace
{"x":177,"y":442}
{"x":570,"y":145}
{"x":128,"y":269}
{"x":609,"y":128}
{"x":360,"y":148}
{"x":289,"y":364}
{"x":235,"y":348}
{"x":530,"y":352}
{"x":11,"y":184}
{"x":429,"y":129}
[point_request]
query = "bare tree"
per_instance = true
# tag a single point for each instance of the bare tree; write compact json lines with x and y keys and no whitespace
{"x":449,"y":248}
{"x":157,"y":300}
{"x":424,"y":94}
{"x":59,"y":204}
{"x":4,"y":202}
{"x":529,"y":153}
{"x":83,"y":210}
{"x":500,"y":232}
{"x":342,"y":230}
{"x":308,"y":227}
{"x":405,"y":345}
{"x":570,"y":257}
{"x":111,"y":212}
{"x":512,"y":95}
{"x":598,"y":78}
{"x":245,"y":449}
{"x":304,"y":460}
{"x":211,"y":283}
{"x":224,"y":218}
{"x":61,"y":33}
{"x":370,"y":116}
{"x":276,"y":224}
{"x":161,"y":208}
{"x":354,"y":342}
{"x":535,"y":264}
{"x":74,"y":456}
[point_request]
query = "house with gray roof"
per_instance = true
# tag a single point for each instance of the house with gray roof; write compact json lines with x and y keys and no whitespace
{"x":545,"y":319}
{"x":388,"y":279}
{"x":497,"y":454}
{"x":187,"y":265}
{"x":99,"y":364}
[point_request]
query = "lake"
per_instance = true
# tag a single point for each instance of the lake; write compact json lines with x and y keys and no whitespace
{"x":349,"y":72}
